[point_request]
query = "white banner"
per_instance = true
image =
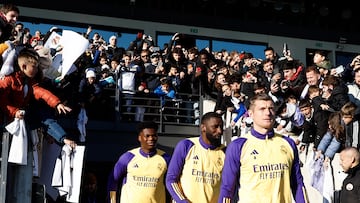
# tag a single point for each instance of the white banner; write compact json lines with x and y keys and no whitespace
{"x":74,"y":45}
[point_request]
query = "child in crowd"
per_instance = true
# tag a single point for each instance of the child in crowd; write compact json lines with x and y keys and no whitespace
{"x":289,"y":117}
{"x":334,"y":139}
{"x":334,"y":93}
{"x":165,"y":91}
{"x":320,"y":116}
{"x":308,"y":133}
{"x":351,"y":125}
{"x":167,"y":94}
{"x":321,"y":169}
{"x":106,"y":79}
{"x":90,"y":92}
{"x":225,"y":102}
{"x":240,"y":109}
{"x":22,"y":87}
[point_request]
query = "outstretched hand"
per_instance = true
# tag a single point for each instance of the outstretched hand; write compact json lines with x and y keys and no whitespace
{"x":61,"y":108}
{"x":71,"y":143}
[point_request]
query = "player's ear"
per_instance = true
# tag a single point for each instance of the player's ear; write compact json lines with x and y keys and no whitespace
{"x":250,"y":112}
{"x":202,"y":127}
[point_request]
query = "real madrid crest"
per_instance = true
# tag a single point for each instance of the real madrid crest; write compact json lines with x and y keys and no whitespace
{"x":349,"y":186}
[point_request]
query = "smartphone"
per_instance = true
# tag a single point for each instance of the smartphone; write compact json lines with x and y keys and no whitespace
{"x":285,"y":49}
{"x":156,"y":49}
{"x":339,"y":69}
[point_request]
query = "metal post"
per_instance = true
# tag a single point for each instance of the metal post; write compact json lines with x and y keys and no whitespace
{"x":22,"y":187}
{"x":161,"y":118}
{"x":20,"y":182}
{"x":117,"y":100}
{"x":4,"y":165}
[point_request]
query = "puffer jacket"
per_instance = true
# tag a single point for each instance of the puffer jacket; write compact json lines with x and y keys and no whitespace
{"x":12,"y":96}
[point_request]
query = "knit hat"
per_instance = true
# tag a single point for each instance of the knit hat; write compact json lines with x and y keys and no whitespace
{"x":90,"y":73}
{"x":112,"y":37}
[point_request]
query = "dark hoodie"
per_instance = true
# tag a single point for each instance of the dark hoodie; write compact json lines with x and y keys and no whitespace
{"x":338,"y":97}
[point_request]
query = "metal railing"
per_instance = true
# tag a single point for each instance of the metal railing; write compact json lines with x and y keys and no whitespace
{"x":149,"y":108}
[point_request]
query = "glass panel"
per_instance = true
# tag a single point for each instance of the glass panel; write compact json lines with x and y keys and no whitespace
{"x":344,"y":58}
{"x":256,"y":50}
{"x":201,"y":44}
{"x":216,"y":45}
{"x":163,"y":39}
{"x":123,"y":41}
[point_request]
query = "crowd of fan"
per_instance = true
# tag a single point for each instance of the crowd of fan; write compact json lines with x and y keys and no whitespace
{"x":317,"y":103}
{"x":305,"y":96}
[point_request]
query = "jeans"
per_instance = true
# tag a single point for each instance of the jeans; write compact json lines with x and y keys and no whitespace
{"x":53,"y":128}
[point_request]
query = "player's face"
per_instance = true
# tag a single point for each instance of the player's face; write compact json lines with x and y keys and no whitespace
{"x":262,"y":114}
{"x":148,"y":139}
{"x":213,"y":130}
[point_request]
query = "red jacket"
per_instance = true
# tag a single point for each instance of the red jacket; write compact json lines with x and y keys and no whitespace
{"x":12,"y":94}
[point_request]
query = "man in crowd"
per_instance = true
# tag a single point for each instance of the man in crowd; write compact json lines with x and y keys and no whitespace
{"x":349,"y":161}
{"x":8,"y":17}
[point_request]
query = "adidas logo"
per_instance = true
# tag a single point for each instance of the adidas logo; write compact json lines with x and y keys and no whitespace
{"x":136,"y":166}
{"x":254,"y":152}
{"x":196,"y":157}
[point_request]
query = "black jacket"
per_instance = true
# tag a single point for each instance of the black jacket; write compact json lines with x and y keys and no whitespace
{"x":350,"y":191}
{"x":339,"y":97}
{"x":321,"y":118}
{"x":353,"y":134}
{"x":309,"y":129}
{"x":5,"y":30}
